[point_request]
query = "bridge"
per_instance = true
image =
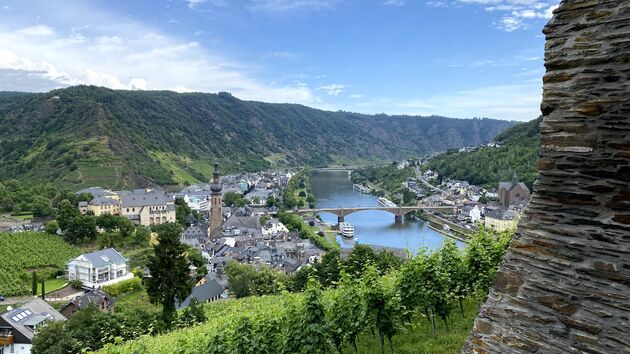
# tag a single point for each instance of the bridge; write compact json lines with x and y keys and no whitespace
{"x":398,"y":211}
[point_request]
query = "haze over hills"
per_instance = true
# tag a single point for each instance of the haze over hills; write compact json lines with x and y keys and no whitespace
{"x":86,"y":135}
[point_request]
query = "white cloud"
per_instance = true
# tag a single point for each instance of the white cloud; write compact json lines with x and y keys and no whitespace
{"x":356,"y":96}
{"x":36,"y":31}
{"x":515,"y":14}
{"x":333,"y":89}
{"x":394,"y":2}
{"x":193,"y":3}
{"x":291,"y":5}
{"x":119,"y":53}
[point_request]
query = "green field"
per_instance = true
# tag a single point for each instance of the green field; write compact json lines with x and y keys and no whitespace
{"x":21,"y":253}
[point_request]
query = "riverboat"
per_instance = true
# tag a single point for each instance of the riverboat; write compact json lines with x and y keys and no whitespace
{"x":386,"y":202}
{"x":346,"y":229}
{"x":361,"y":188}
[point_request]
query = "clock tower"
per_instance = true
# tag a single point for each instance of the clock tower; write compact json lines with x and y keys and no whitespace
{"x":216,"y":203}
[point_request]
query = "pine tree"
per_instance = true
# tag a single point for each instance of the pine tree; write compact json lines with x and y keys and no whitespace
{"x":170,"y":281}
{"x":43,"y":289}
{"x":34,"y":283}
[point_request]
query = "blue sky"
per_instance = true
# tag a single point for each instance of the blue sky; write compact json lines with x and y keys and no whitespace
{"x":458,"y":58}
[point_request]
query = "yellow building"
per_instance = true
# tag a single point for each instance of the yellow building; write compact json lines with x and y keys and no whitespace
{"x":500,"y":220}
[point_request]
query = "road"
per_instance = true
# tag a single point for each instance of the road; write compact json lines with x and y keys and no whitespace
{"x":419,"y":176}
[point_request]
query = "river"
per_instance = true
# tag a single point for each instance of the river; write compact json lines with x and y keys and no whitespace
{"x":333,"y":189}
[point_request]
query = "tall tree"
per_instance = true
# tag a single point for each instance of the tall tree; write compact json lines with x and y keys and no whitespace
{"x":43,"y":289}
{"x":34,"y":282}
{"x":170,"y":281}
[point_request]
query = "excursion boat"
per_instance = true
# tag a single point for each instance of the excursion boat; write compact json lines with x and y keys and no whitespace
{"x":386,"y":202}
{"x":346,"y":229}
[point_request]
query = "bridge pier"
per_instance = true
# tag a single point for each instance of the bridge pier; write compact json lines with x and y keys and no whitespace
{"x":398,"y":218}
{"x":340,"y":219}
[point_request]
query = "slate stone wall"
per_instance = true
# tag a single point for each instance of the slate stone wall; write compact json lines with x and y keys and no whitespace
{"x":564,"y":286}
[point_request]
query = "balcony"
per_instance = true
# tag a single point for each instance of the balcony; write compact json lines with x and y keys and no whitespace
{"x":6,"y":339}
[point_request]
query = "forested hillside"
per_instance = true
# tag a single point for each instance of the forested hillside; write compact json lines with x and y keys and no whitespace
{"x":87,"y":135}
{"x":488,"y":166}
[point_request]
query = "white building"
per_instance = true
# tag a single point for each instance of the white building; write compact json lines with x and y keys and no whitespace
{"x":18,"y":326}
{"x":100,"y":268}
{"x":274,"y":227}
{"x":475,"y":214}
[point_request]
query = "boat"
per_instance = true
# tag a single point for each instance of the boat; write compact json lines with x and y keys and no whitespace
{"x":346,"y":229}
{"x":386,"y":202}
{"x":361,"y":188}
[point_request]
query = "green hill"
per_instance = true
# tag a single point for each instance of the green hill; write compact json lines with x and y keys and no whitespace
{"x":488,"y":166}
{"x":85,"y":135}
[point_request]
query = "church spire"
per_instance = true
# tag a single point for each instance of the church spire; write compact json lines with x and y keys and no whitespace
{"x":514,"y":177}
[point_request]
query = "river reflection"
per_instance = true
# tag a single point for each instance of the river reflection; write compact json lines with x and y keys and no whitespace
{"x":333,"y":189}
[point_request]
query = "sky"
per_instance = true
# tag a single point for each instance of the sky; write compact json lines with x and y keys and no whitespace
{"x":456,"y":58}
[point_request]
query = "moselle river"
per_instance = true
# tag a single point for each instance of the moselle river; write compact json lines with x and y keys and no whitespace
{"x":333,"y":189}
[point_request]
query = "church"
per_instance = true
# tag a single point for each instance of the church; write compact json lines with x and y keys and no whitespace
{"x":513,"y":193}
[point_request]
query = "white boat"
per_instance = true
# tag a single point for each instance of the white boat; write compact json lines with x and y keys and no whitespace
{"x":386,"y":202}
{"x":346,"y":229}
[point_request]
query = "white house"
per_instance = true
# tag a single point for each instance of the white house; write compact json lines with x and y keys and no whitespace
{"x":18,"y":326}
{"x":100,"y":268}
{"x":475,"y":214}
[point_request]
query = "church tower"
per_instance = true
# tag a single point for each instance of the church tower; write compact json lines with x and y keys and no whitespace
{"x":216,"y":203}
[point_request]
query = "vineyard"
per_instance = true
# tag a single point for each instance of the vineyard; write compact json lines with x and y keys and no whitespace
{"x":379,"y":308}
{"x":25,"y":251}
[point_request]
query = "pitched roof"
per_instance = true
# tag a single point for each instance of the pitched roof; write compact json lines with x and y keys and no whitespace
{"x":104,"y":257}
{"x":204,"y":292}
{"x":95,"y":296}
{"x":29,"y":315}
{"x":140,"y":198}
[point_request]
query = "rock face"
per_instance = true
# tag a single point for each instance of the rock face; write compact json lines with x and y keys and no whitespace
{"x":564,"y":286}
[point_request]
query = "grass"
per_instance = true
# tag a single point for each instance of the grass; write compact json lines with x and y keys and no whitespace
{"x":51,"y":285}
{"x":136,"y":300}
{"x":418,"y":339}
{"x":23,"y":216}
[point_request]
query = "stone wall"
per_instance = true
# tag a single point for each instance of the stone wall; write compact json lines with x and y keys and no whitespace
{"x":564,"y":286}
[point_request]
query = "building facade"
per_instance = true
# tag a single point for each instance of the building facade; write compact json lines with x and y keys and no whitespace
{"x":513,"y":193}
{"x":100,"y":268}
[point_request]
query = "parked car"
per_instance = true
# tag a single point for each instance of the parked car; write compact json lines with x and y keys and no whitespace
{"x":1,"y":298}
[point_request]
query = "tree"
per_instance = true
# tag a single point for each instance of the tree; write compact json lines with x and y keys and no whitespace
{"x":360,"y":256}
{"x":41,"y":206}
{"x":66,"y":215}
{"x":272,"y":201}
{"x":34,"y":282}
{"x":329,"y":269}
{"x":408,"y":196}
{"x":240,"y":277}
{"x":309,"y":332}
{"x":382,"y":304}
{"x":81,"y":228}
{"x":107,"y":222}
{"x":234,"y":199}
{"x":169,"y":281}
{"x":195,"y":257}
{"x":52,"y":338}
{"x":192,"y":315}
{"x":141,"y":236}
{"x":51,"y":227}
{"x":346,"y":313}
{"x":43,"y":289}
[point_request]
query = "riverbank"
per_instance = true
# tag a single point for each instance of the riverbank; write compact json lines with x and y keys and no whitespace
{"x":456,"y":232}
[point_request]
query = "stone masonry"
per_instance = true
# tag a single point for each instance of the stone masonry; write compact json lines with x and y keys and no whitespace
{"x":564,"y":286}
